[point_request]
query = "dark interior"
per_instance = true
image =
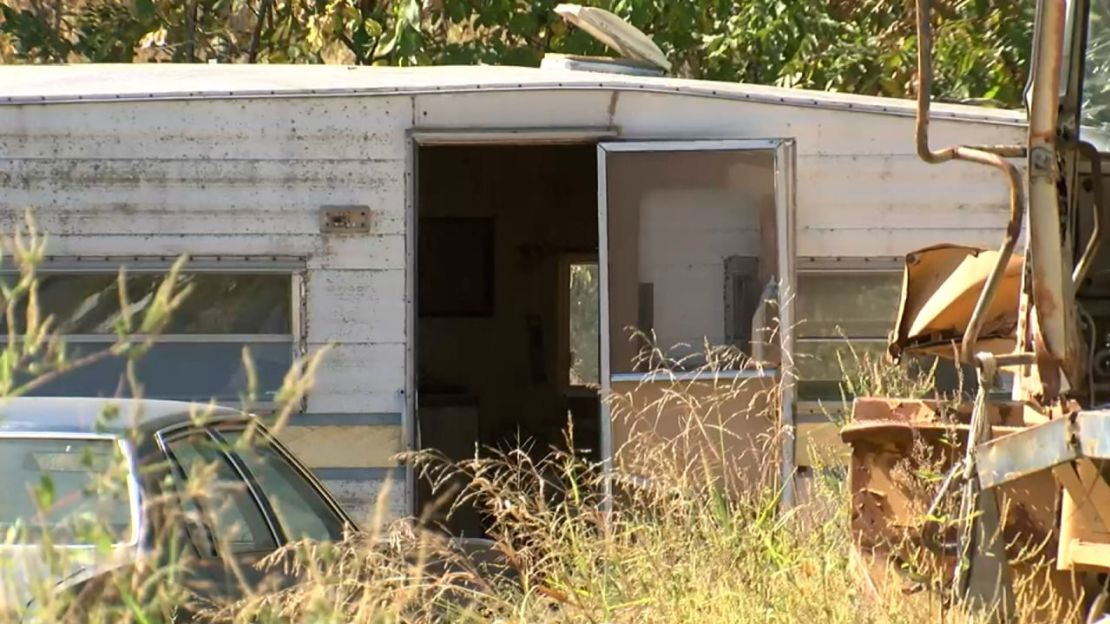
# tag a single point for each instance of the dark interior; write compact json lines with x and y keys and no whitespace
{"x":498,"y":229}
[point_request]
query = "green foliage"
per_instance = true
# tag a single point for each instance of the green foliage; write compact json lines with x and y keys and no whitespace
{"x":1096,"y":87}
{"x":865,"y":46}
{"x":584,"y":324}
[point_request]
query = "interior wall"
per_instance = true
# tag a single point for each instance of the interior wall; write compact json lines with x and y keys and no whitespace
{"x":543,"y":203}
{"x":690,"y":211}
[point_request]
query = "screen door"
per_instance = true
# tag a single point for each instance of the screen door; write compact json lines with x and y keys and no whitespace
{"x":696,"y":274}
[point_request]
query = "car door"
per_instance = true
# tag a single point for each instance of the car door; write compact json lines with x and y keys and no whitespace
{"x":223,"y":515}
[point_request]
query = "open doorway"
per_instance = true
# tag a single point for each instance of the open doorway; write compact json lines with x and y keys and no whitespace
{"x":507,"y":319}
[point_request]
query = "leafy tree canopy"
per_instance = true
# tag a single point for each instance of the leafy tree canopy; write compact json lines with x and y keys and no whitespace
{"x":858,"y":46}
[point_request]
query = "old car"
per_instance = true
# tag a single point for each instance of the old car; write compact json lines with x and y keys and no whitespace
{"x":103,"y":484}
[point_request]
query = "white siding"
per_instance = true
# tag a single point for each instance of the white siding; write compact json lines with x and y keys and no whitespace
{"x":861,"y":189}
{"x":817,"y":130}
{"x":359,"y":378}
{"x":364,"y":501}
{"x":198,"y":196}
{"x":224,"y":130}
{"x":506,"y":109}
{"x":356,"y":307}
{"x":225,"y":177}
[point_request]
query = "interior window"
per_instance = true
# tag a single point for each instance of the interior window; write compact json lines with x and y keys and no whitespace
{"x":301,"y":511}
{"x":222,"y":314}
{"x":212,"y":482}
{"x":696,"y":248}
{"x":582,"y":319}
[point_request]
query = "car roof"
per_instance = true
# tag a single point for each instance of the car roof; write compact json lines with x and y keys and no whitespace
{"x":100,"y":415}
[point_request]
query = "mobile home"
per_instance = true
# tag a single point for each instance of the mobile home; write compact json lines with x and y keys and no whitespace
{"x":427,"y":223}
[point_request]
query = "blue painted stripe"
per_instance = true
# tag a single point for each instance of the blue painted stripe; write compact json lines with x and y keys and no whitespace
{"x":345,"y":420}
{"x":358,"y":474}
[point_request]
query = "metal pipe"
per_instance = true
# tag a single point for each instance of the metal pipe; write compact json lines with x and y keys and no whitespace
{"x":1006,"y":151}
{"x":924,"y":99}
{"x":1009,"y":241}
{"x":994,"y":157}
{"x":1048,"y":273}
{"x":1084,"y":265}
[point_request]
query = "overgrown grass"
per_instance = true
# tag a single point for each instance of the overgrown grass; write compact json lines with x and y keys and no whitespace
{"x":694,"y":533}
{"x":865,"y":374}
{"x":688,"y":527}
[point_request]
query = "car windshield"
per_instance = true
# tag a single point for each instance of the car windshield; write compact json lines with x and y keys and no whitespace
{"x":64,"y":491}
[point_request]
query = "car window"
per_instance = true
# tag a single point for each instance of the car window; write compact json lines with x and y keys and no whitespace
{"x":70,"y":491}
{"x":213,"y":483}
{"x":301,"y":510}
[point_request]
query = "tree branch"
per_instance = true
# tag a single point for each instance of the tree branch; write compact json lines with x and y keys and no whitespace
{"x":256,"y":35}
{"x":191,"y":31}
{"x":360,"y":57}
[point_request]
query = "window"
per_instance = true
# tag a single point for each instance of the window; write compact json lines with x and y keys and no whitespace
{"x":210,"y":481}
{"x":840,"y":310}
{"x":301,"y":511}
{"x":456,"y":267}
{"x":691,"y":242}
{"x":1096,"y":79}
{"x":846,"y":310}
{"x":199,"y":355}
{"x":72,"y":489}
{"x":582,"y":319}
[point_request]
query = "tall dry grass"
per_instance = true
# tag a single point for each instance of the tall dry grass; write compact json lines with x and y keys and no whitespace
{"x":691,"y":536}
{"x":683,"y":529}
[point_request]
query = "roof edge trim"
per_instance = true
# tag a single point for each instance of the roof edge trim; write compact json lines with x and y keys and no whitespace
{"x":794,"y":98}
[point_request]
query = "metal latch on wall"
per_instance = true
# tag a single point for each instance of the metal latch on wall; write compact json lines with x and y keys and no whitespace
{"x":345,"y":219}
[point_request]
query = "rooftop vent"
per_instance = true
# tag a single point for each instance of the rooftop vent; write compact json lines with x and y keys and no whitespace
{"x":640,"y":55}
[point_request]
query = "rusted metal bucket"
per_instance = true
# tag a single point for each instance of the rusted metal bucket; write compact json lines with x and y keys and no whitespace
{"x":901,"y":452}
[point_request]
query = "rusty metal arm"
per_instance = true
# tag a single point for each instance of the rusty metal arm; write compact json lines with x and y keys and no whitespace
{"x":1084,"y":265}
{"x":994,"y":156}
{"x":924,"y":87}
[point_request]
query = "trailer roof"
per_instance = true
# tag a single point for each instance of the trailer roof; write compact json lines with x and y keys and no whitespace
{"x":104,"y":82}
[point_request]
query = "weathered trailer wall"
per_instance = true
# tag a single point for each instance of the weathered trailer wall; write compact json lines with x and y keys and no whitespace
{"x":861,"y":190}
{"x":247,"y":178}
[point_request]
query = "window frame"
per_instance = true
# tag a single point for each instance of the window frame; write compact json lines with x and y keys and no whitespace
{"x":294,"y":267}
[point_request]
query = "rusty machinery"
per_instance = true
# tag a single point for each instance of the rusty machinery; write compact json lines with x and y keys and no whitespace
{"x":1021,"y":475}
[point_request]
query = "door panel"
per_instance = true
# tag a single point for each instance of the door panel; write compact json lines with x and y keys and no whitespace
{"x":694,"y":236}
{"x":721,"y":424}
